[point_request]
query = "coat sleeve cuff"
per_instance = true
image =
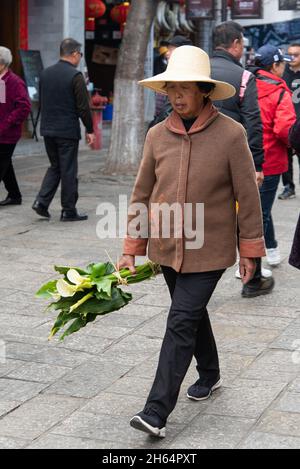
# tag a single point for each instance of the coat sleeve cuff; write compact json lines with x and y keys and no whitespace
{"x":135,"y":247}
{"x":252,"y":247}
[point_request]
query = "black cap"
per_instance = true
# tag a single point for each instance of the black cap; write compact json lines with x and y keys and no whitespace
{"x":178,"y":41}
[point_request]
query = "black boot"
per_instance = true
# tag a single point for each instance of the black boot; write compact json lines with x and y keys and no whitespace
{"x":72,"y":215}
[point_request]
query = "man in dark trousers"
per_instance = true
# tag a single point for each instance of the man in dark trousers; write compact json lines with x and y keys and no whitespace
{"x":64,"y":99}
{"x":243,"y":107}
{"x":292,"y":79}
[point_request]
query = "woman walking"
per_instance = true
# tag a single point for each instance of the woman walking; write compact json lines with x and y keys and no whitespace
{"x":14,"y":109}
{"x":196,"y":156}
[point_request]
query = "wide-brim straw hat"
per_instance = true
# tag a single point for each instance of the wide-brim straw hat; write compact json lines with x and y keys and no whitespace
{"x":189,"y":63}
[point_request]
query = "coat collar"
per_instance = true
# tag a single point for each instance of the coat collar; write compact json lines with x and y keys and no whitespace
{"x":208,"y":115}
{"x":6,"y":75}
{"x":226,"y":55}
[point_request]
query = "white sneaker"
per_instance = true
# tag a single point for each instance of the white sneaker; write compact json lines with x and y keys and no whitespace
{"x":264,"y":272}
{"x":273,"y":256}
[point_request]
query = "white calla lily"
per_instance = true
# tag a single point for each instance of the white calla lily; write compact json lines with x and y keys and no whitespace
{"x":75,"y":277}
{"x":65,"y":289}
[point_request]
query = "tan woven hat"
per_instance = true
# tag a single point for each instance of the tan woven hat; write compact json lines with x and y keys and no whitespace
{"x":189,"y":63}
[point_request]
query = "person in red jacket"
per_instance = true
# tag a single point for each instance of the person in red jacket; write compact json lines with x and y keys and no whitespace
{"x":278,"y":116}
{"x":14,"y":109}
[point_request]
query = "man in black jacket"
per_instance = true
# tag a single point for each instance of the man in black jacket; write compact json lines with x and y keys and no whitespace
{"x":64,"y":99}
{"x":243,"y":107}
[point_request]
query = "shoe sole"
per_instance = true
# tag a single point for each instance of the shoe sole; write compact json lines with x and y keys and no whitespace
{"x":68,"y":221}
{"x":274,"y":263}
{"x":139,"y":424}
{"x":287,"y":198}
{"x":214,"y":388}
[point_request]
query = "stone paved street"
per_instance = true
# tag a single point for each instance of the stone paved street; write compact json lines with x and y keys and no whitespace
{"x":81,"y":393}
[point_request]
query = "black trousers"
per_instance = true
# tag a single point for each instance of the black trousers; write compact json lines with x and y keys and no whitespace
{"x":288,"y":177}
{"x":188,"y":333}
{"x":63,"y":156}
{"x":7,"y":173}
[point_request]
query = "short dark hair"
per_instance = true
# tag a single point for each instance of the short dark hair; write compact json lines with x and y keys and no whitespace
{"x":205,"y":87}
{"x":267,"y":68}
{"x":295,"y":44}
{"x":68,"y":46}
{"x":226,"y":33}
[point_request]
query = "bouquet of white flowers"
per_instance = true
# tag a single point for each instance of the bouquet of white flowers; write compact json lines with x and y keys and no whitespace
{"x":83,"y":294}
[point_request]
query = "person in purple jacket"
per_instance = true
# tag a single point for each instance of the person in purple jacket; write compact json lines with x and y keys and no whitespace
{"x":14,"y":109}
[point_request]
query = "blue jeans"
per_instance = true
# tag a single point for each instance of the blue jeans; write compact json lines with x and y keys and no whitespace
{"x":267,"y":197}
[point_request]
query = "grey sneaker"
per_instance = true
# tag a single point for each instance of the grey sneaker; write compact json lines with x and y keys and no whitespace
{"x":287,"y":194}
{"x":149,"y":422}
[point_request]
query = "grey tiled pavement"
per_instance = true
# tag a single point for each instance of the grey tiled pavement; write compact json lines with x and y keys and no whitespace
{"x":82,"y":392}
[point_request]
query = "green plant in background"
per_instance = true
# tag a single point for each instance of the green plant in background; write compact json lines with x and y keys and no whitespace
{"x":83,"y":294}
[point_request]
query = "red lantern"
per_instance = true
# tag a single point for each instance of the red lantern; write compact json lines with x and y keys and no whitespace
{"x":94,"y":8}
{"x":119,"y":13}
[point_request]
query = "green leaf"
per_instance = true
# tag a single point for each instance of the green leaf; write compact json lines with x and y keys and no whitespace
{"x":47,"y":290}
{"x":97,"y":270}
{"x":62,"y":319}
{"x":110,"y":268}
{"x":104,"y":285}
{"x":75,"y":327}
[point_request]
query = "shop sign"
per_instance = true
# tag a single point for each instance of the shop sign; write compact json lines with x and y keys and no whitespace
{"x":289,"y":5}
{"x":246,"y":9}
{"x":200,"y":9}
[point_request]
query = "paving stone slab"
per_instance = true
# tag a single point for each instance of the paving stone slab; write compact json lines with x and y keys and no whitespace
{"x":213,"y":432}
{"x":246,"y":398}
{"x":88,"y":379}
{"x":17,"y":390}
{"x":273,"y":365}
{"x":8,"y":406}
{"x":45,"y":354}
{"x":259,"y":440}
{"x":243,"y":340}
{"x":39,"y":372}
{"x":12,"y":443}
{"x":133,"y":349}
{"x":280,"y":423}
{"x":37,"y":416}
{"x":289,"y":402}
{"x":259,"y":310}
{"x":7,"y":365}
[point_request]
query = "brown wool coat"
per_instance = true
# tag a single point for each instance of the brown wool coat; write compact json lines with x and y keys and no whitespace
{"x":211,"y":164}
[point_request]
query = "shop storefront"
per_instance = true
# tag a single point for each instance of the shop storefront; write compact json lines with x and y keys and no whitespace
{"x":40,"y":25}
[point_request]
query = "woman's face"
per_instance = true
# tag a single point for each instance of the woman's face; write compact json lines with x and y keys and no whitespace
{"x":186,"y":98}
